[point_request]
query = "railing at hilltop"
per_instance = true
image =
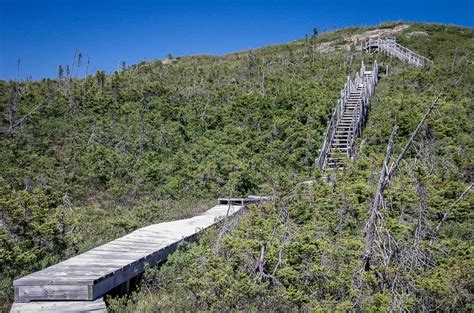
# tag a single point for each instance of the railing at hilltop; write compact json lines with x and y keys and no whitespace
{"x":391,"y":47}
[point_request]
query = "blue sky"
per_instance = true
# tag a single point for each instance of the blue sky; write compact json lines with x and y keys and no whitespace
{"x":46,"y":33}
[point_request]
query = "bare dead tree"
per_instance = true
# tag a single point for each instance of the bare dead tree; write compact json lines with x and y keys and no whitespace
{"x":374,"y":213}
{"x":260,"y":268}
{"x":12,"y":104}
{"x":87,"y":66}
{"x":261,"y":261}
{"x":395,"y":164}
{"x":285,"y":237}
{"x":79,"y":63}
{"x":73,"y":65}
{"x":18,"y":70}
{"x":419,"y":232}
{"x":385,"y":176}
{"x":450,"y":208}
{"x":23,"y":119}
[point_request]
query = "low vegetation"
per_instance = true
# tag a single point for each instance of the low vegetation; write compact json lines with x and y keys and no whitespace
{"x":86,"y":160}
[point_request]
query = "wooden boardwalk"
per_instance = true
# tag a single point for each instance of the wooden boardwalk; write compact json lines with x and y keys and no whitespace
{"x":88,"y":276}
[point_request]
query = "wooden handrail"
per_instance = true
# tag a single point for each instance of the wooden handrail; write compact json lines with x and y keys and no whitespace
{"x":390,"y":46}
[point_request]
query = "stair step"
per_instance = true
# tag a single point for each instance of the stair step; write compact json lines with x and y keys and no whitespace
{"x":336,"y":165}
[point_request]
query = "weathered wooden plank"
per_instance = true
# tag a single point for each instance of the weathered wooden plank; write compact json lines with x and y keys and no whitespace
{"x":128,"y":247}
{"x":58,"y":280}
{"x":52,"y":292}
{"x":145,"y":238}
{"x":96,"y":306}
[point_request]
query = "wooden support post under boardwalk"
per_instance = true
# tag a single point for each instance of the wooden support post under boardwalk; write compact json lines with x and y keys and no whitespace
{"x":89,"y":276}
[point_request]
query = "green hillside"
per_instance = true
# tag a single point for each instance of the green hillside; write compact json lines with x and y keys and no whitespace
{"x":84,"y":161}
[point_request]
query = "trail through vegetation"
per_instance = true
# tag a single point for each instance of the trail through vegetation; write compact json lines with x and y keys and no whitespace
{"x":86,"y":160}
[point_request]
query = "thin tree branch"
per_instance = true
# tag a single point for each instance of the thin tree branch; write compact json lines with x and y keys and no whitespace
{"x":21,"y":120}
{"x":459,"y":199}
{"x":394,"y":165}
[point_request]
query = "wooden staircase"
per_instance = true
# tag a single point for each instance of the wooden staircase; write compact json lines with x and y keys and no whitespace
{"x":340,"y":144}
{"x":390,"y":46}
{"x":351,"y":109}
{"x":347,"y":119}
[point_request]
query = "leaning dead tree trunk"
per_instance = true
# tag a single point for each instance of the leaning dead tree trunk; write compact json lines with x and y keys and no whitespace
{"x":23,"y":119}
{"x":395,"y":164}
{"x":371,"y":224}
{"x":385,"y":176}
{"x":459,"y":199}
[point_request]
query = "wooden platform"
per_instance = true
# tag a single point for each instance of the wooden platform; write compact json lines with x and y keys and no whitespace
{"x":90,"y":275}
